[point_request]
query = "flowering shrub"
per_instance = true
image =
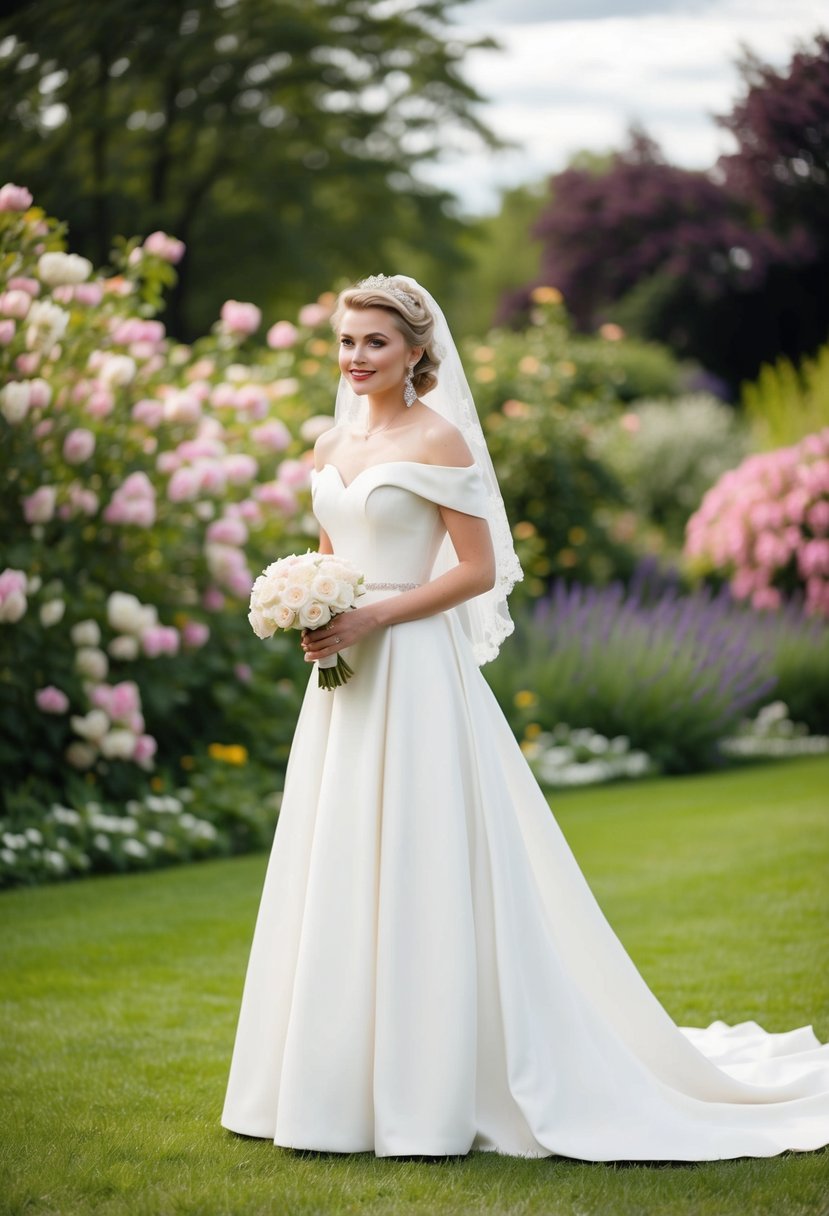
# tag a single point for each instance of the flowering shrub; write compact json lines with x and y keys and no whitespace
{"x":765,"y":524}
{"x":668,"y":453}
{"x":562,"y":757}
{"x":143,"y":481}
{"x":673,"y":673}
{"x":772,"y":733}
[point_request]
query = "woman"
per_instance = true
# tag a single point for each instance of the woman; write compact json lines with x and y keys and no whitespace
{"x":430,"y":972}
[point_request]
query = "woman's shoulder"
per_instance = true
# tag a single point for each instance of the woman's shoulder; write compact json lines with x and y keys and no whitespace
{"x":325,"y":446}
{"x":443,"y":443}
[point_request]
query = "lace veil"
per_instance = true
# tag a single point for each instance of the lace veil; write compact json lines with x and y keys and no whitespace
{"x":486,"y":618}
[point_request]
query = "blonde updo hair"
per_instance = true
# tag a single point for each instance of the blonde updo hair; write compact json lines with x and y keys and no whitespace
{"x":408,"y":312}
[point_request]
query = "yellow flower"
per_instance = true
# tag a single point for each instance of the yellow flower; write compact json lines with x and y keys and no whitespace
{"x":309,"y":367}
{"x":524,"y":530}
{"x":546,"y":295}
{"x":157,"y":783}
{"x":567,"y":557}
{"x":529,"y":365}
{"x":230,"y":753}
{"x":485,"y":374}
{"x":484,"y":354}
{"x":532,"y":730}
{"x":525,"y":699}
{"x":319,"y":346}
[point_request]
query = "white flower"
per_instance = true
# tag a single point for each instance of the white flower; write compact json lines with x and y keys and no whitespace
{"x":14,"y":401}
{"x":51,"y":612}
{"x":118,"y":745}
{"x":284,"y":617}
{"x":156,"y":840}
{"x":92,"y":726}
{"x":8,"y":856}
{"x":135,"y":848}
{"x":46,"y":325}
{"x":34,"y":836}
{"x":127,"y":614}
{"x":85,"y":633}
{"x":92,"y":663}
{"x":313,"y":615}
{"x":117,"y":370}
{"x":124,"y":647}
{"x":55,"y":861}
{"x":325,"y":588}
{"x":295,"y":595}
{"x":101,"y":842}
{"x":56,"y":269}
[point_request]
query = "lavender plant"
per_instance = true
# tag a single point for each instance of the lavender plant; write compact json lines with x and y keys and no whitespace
{"x":675,"y":673}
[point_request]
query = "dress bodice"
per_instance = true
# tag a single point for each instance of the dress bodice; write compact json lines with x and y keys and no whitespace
{"x":387,"y":520}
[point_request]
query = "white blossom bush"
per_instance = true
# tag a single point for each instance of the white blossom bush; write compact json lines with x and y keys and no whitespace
{"x":564,"y":757}
{"x":143,"y":481}
{"x":771,"y":734}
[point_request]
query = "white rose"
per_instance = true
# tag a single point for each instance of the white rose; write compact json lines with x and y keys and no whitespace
{"x":261,"y":625}
{"x":92,"y":726}
{"x":125,"y":646}
{"x":312,"y":615}
{"x":46,"y":325}
{"x":13,"y":607}
{"x":127,"y":614}
{"x":345,"y":597}
{"x":85,"y":633}
{"x":118,"y":745}
{"x":117,"y":370}
{"x":56,"y":269}
{"x":284,"y":617}
{"x":14,"y":401}
{"x":324,"y":588}
{"x":51,"y":612}
{"x":91,"y":662}
{"x":81,"y":755}
{"x":295,"y":595}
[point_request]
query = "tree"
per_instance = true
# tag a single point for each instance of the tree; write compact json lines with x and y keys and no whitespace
{"x":279,"y":140}
{"x":726,"y":266}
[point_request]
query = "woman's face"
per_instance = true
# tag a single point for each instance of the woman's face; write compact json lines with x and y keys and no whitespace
{"x":374,"y":356}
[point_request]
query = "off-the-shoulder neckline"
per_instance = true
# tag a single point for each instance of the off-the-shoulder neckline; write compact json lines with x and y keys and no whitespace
{"x":384,"y":464}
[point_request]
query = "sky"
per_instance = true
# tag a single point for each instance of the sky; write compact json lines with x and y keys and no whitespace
{"x":575,"y":74}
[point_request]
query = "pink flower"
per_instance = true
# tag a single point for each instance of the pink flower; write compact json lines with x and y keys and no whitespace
{"x":51,"y":700}
{"x":817,"y":517}
{"x":240,"y":318}
{"x":274,"y":494}
{"x":14,"y":198}
{"x":251,"y":400}
{"x":183,"y":486}
{"x":313,"y":315}
{"x":213,"y":600}
{"x":766,"y":598}
{"x":148,"y":411}
{"x":124,"y":701}
{"x":13,"y":604}
{"x":101,"y":402}
{"x":165,"y":247}
{"x":27,"y":364}
{"x":227,"y":532}
{"x":813,"y":559}
{"x":160,"y":639}
{"x":144,"y":751}
{"x":630,"y":422}
{"x":7,"y":331}
{"x":239,"y":468}
{"x":40,"y":393}
{"x":39,"y":508}
{"x":15,"y":303}
{"x":243,"y":672}
{"x":136,"y":329}
{"x":89,"y":294}
{"x":281,"y":335}
{"x":296,"y":474}
{"x":78,"y":446}
{"x":195,"y":634}
{"x":133,"y":502}
{"x":22,"y":282}
{"x":273,"y":435}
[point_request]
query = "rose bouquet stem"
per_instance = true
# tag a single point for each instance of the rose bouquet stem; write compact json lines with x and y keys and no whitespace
{"x":333,"y":672}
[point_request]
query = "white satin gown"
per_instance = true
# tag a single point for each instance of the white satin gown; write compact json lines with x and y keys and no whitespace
{"x":430,"y":973}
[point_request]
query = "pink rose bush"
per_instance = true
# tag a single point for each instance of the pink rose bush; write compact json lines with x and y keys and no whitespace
{"x":138,"y":473}
{"x":766,"y":525}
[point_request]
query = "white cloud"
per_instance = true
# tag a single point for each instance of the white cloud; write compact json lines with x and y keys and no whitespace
{"x":563,"y":84}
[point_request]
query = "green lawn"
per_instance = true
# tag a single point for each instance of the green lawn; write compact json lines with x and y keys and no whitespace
{"x":120,"y":998}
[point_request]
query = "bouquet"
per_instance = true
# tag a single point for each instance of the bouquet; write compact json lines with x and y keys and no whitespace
{"x":304,"y":592}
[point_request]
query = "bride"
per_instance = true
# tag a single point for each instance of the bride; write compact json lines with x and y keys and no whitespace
{"x":430,"y":973}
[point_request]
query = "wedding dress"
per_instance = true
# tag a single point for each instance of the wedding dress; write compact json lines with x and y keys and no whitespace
{"x":430,"y":972}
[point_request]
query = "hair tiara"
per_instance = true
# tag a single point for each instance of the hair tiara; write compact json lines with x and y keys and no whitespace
{"x":384,"y":282}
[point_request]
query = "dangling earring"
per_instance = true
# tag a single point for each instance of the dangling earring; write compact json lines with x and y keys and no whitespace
{"x":409,"y":390}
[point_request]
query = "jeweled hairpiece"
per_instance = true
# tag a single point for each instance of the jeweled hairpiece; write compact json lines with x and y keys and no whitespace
{"x":384,"y":282}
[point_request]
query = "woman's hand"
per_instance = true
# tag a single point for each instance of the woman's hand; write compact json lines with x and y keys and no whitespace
{"x":344,"y":630}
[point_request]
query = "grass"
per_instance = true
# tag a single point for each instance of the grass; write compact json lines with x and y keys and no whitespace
{"x":120,"y":998}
